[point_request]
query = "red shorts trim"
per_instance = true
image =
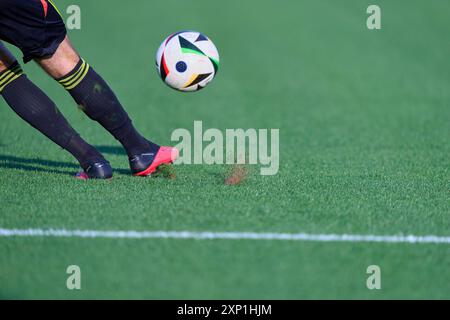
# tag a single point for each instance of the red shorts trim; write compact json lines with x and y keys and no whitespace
{"x":45,"y":6}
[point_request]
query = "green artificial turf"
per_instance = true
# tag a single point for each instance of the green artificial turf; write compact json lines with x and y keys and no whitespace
{"x":364,"y":119}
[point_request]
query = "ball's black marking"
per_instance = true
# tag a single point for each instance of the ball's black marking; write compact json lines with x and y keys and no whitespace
{"x":198,"y":79}
{"x":185,"y":44}
{"x":201,"y":37}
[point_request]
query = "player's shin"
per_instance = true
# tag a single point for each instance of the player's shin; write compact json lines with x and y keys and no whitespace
{"x":98,"y":101}
{"x":36,"y":108}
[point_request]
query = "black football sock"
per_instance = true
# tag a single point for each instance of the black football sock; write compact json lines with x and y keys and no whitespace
{"x":99,"y":102}
{"x":36,"y":108}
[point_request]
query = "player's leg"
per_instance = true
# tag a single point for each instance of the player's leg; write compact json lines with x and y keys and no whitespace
{"x":33,"y":106}
{"x":94,"y":96}
{"x":99,"y":102}
{"x":37,"y":32}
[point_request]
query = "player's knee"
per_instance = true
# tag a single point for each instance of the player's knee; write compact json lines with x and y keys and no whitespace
{"x":60,"y":63}
{"x":3,"y":67}
{"x":5,"y":64}
{"x":7,"y":59}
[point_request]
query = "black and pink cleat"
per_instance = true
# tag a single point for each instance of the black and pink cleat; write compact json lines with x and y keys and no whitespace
{"x":97,"y":170}
{"x":145,"y":164}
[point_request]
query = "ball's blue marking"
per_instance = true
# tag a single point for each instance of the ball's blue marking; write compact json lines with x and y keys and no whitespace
{"x":181,"y":66}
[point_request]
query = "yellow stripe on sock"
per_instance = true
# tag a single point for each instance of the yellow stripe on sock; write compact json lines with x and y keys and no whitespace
{"x":9,"y":81}
{"x":5,"y":80}
{"x":72,"y":81}
{"x":9,"y":76}
{"x":80,"y":79}
{"x":66,"y":81}
{"x":4,"y":76}
{"x":16,"y":69}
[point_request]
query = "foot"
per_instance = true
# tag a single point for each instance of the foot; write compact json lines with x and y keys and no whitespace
{"x":96,"y":170}
{"x":145,"y":164}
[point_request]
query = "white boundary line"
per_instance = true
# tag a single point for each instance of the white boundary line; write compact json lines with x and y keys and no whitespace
{"x":209,"y":235}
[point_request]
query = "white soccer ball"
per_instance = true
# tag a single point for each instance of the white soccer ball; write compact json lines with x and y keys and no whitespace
{"x":187,"y":61}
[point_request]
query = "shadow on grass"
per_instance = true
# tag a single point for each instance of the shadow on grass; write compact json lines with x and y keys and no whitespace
{"x":12,"y":162}
{"x":48,"y":166}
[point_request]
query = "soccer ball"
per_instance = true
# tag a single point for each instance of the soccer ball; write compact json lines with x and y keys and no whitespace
{"x":187,"y":61}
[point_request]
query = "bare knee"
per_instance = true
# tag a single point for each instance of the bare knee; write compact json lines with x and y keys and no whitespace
{"x":3,"y":66}
{"x":62,"y":61}
{"x":6,"y":58}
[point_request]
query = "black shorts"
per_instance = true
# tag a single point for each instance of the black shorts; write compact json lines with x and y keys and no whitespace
{"x":34,"y":26}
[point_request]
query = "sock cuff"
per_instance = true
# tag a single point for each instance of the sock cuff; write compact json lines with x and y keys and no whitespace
{"x":9,"y":75}
{"x":74,"y":77}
